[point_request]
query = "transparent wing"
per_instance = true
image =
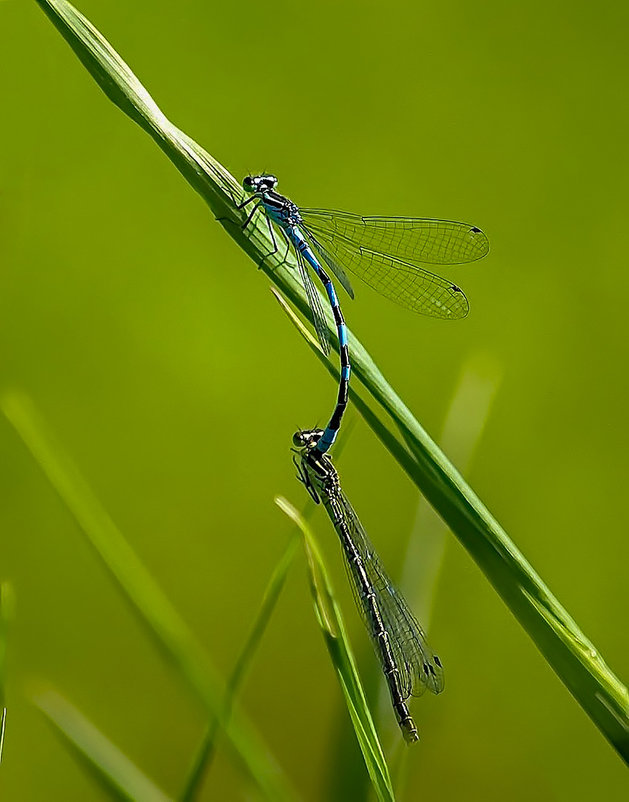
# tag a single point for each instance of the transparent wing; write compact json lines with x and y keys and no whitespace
{"x":407,"y":285}
{"x":418,"y":667}
{"x":336,"y":269}
{"x":410,"y":239}
{"x":411,"y":287}
{"x":314,"y":300}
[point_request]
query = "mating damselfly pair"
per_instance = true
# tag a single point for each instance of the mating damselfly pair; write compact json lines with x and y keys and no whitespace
{"x":386,"y":253}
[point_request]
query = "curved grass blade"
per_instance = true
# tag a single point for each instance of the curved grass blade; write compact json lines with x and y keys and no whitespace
{"x":206,"y":750}
{"x":567,"y":650}
{"x":337,"y":642}
{"x":117,"y":776}
{"x":144,"y":595}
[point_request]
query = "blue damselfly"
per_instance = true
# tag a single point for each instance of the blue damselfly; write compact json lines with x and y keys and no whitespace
{"x":408,"y":664}
{"x":385,"y":252}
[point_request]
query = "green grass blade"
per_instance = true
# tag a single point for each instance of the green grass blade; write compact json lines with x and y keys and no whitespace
{"x":337,"y":642}
{"x":115,"y":773}
{"x":571,"y":655}
{"x":3,"y":726}
{"x":463,"y":428}
{"x":7,"y":607}
{"x":144,"y":595}
{"x":207,"y":747}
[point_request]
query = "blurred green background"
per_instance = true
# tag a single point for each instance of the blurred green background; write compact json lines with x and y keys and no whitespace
{"x":158,"y":356}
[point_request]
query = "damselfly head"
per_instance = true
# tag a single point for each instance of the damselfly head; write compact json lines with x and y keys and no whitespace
{"x":307,"y":438}
{"x":259,"y":183}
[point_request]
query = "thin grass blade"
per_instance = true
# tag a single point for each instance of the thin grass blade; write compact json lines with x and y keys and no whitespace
{"x":207,"y":747}
{"x":337,"y":642}
{"x":115,"y":773}
{"x":145,"y":597}
{"x":463,"y":427}
{"x":464,"y":424}
{"x":7,"y":607}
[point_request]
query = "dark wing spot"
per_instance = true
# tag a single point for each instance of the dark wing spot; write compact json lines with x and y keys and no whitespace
{"x":437,"y":661}
{"x":475,"y":230}
{"x":454,"y":288}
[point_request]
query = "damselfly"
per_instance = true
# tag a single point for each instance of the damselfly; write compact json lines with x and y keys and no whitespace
{"x":385,"y":252}
{"x":284,"y":212}
{"x":408,"y":664}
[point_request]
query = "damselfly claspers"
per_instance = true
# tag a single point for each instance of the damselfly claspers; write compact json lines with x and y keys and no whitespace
{"x":408,"y":664}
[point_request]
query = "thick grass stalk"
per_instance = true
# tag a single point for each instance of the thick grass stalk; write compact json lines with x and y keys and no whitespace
{"x":560,"y":640}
